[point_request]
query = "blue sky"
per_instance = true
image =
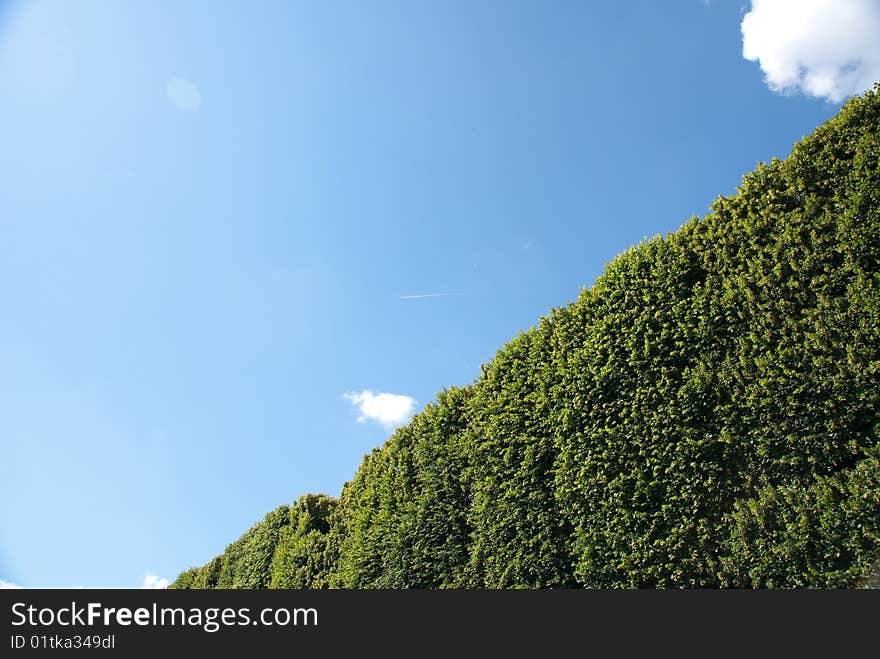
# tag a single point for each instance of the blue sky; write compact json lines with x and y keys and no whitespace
{"x":241,"y":241}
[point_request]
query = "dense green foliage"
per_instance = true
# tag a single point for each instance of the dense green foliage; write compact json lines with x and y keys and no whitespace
{"x":826,"y":535}
{"x":300,"y":555}
{"x":706,"y":414}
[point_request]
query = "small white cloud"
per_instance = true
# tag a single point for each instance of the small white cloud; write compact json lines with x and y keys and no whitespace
{"x":152,"y":582}
{"x":5,"y":585}
{"x":391,"y":410}
{"x":824,"y":48}
{"x":183,"y":94}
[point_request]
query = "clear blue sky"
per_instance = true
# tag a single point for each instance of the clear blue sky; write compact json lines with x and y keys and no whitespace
{"x":214,"y":216}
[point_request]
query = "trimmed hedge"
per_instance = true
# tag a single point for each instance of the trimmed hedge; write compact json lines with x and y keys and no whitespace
{"x":706,"y":414}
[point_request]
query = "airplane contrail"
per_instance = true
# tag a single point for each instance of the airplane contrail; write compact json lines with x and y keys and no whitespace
{"x":418,"y":297}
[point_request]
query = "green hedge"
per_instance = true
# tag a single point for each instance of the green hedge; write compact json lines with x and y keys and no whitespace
{"x":824,"y":535}
{"x":300,"y":559}
{"x":706,"y":414}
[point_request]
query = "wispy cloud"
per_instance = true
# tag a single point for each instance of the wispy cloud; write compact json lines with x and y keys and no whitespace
{"x":152,"y":582}
{"x":6,"y":585}
{"x":424,"y":295}
{"x":183,"y":94}
{"x":824,"y":48}
{"x":391,"y":410}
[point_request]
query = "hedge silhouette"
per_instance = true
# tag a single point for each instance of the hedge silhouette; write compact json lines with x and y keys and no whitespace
{"x":706,"y":414}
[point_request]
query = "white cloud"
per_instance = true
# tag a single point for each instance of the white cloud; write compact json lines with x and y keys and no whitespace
{"x":5,"y":585}
{"x":152,"y":582}
{"x":824,"y":48}
{"x":391,"y":410}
